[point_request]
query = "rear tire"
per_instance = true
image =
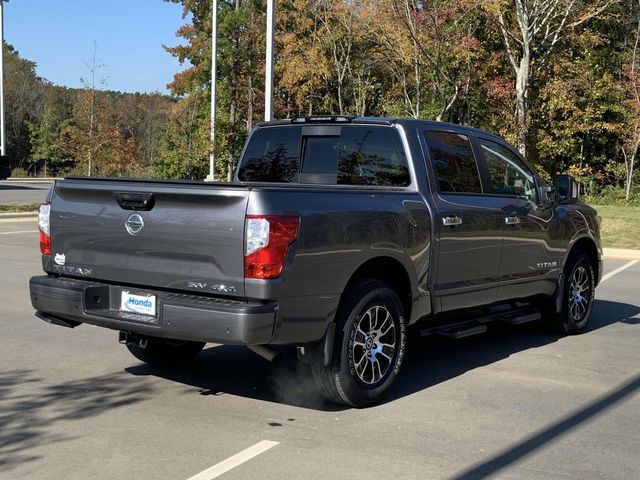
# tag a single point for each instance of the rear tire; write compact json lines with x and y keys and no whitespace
{"x":165,"y":352}
{"x":369,"y":346}
{"x":577,"y":301}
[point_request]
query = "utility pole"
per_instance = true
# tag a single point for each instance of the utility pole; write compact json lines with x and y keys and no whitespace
{"x":3,"y":146}
{"x":268,"y":83}
{"x":214,"y":67}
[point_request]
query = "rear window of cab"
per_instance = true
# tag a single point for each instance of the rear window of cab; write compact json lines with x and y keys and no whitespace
{"x":352,"y":155}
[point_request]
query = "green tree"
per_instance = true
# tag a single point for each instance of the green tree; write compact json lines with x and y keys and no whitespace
{"x":185,"y":145}
{"x":45,"y":134}
{"x":23,"y":105}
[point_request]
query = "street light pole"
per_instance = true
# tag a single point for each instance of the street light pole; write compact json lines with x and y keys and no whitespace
{"x":3,"y":146}
{"x":268,"y":84}
{"x":214,"y":73}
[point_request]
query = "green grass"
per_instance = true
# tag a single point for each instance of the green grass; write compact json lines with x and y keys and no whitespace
{"x":19,"y":207}
{"x":620,"y":226}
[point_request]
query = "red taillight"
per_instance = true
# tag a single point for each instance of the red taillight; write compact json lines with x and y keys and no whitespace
{"x":45,"y":244}
{"x":45,"y":228}
{"x":267,"y":239}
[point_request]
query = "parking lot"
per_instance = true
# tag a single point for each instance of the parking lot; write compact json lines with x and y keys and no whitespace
{"x":516,"y":403}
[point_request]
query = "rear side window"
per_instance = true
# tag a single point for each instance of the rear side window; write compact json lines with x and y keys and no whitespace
{"x":272,"y":155}
{"x":372,"y":156}
{"x":453,"y":162}
{"x":360,"y":155}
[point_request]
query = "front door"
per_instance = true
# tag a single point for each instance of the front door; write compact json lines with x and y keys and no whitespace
{"x":529,"y":262}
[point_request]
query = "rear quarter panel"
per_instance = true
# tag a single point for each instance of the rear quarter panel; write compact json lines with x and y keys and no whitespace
{"x":340,"y":229}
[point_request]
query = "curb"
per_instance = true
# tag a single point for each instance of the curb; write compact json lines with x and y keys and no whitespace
{"x":620,"y":254}
{"x":19,"y":215}
{"x":31,"y":180}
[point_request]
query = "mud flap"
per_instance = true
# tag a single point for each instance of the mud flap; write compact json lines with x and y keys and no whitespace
{"x":323,"y":349}
{"x":558,"y":296}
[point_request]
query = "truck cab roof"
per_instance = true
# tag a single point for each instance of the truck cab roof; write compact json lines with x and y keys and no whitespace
{"x":363,"y":120}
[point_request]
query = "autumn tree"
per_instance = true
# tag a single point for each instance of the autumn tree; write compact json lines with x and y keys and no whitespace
{"x":631,"y":136}
{"x":532,"y":30}
{"x":142,"y":117}
{"x":241,"y":70}
{"x":579,"y":114}
{"x":303,"y":88}
{"x":429,"y":48}
{"x":86,"y":135}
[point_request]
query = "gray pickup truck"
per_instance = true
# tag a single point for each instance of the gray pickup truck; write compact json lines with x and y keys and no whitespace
{"x":337,"y":235}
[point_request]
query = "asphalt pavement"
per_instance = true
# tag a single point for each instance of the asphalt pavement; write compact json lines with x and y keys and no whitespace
{"x":23,"y":192}
{"x":515,"y":403}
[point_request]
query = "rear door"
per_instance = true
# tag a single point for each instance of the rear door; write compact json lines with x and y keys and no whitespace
{"x":169,"y":235}
{"x":468,"y":226}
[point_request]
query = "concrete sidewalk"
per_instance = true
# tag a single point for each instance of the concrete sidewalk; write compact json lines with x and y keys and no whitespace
{"x":621,"y":253}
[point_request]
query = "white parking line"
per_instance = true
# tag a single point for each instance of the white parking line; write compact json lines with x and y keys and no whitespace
{"x":234,"y":461}
{"x":19,"y":231}
{"x":618,"y":270}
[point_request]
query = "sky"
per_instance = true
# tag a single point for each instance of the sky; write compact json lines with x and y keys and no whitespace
{"x":58,"y":36}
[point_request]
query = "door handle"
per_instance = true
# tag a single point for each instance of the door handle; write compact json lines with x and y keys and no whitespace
{"x":451,"y":221}
{"x":512,"y":220}
{"x":135,"y":200}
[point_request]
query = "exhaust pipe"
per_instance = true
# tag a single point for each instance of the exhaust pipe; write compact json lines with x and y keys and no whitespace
{"x":266,"y":352}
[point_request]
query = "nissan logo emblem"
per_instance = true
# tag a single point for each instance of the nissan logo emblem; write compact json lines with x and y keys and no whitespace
{"x":134,"y":224}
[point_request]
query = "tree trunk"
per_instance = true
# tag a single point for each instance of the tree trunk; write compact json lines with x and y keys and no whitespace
{"x":630,"y":177}
{"x":522,"y":108}
{"x":630,"y":161}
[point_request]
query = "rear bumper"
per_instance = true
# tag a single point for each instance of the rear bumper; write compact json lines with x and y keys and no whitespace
{"x":183,"y":317}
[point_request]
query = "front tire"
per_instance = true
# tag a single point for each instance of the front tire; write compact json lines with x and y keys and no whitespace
{"x":165,"y":352}
{"x":369,"y":346}
{"x":577,"y":301}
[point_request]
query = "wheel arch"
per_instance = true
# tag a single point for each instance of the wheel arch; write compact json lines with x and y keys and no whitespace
{"x":587,"y":245}
{"x":389,"y":270}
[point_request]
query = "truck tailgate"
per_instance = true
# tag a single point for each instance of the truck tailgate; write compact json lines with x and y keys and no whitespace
{"x":187,"y":236}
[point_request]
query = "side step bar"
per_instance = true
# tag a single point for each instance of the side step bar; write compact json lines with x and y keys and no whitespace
{"x":475,"y":326}
{"x":461,"y":331}
{"x":519,"y":319}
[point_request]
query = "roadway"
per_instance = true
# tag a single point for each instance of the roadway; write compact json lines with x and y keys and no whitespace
{"x":516,"y":403}
{"x":23,"y":192}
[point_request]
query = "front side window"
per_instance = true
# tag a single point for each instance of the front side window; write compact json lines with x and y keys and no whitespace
{"x":453,"y":162}
{"x":509,"y":174}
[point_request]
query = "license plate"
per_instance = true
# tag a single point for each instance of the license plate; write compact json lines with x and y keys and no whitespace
{"x":140,"y":304}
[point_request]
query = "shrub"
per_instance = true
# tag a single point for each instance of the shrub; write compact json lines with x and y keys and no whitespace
{"x":19,"y":173}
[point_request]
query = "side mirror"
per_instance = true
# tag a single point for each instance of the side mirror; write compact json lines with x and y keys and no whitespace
{"x":565,"y":189}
